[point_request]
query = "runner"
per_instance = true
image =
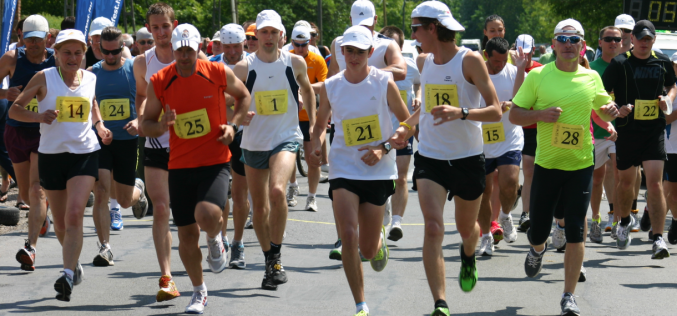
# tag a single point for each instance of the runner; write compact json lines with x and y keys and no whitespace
{"x":311,"y":47}
{"x":562,"y":93}
{"x":68,"y":147}
{"x":144,"y":40}
{"x":115,"y":91}
{"x":453,"y":80}
{"x":638,"y":78}
{"x":503,"y":141}
{"x":252,"y":40}
{"x":360,"y":99}
{"x":494,"y":26}
{"x":94,"y":54}
{"x":198,"y":166}
{"x":216,"y":44}
{"x":269,"y":145}
{"x":23,"y":138}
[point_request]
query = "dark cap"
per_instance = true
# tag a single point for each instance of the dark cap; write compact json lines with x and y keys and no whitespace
{"x":644,"y":28}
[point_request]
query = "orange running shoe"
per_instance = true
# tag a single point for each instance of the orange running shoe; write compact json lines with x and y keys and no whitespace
{"x":167,"y":290}
{"x":45,"y":227}
{"x":26,"y":256}
{"x":497,"y":231}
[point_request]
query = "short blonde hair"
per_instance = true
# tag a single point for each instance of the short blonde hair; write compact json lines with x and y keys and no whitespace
{"x":58,"y":46}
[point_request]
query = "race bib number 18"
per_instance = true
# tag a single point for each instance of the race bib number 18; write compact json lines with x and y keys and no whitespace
{"x":271,"y":102}
{"x":440,"y":94}
{"x":32,"y":106}
{"x":115,"y":109}
{"x":73,"y":109}
{"x":646,"y":110}
{"x":568,"y":136}
{"x":193,"y":124}
{"x":361,"y":130}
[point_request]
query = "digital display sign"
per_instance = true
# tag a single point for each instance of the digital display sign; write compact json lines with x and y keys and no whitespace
{"x":662,"y":13}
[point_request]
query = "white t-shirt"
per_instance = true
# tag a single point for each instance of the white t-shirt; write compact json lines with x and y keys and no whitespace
{"x":504,"y":82}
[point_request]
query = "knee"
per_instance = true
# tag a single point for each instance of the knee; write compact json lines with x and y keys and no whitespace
{"x":401,"y":181}
{"x":189,"y":237}
{"x":73,"y":219}
{"x":349,"y":235}
{"x":36,"y":191}
{"x":466,"y":230}
{"x":654,"y":186}
{"x":434,"y":230}
{"x":277,"y":194}
{"x":100,"y":190}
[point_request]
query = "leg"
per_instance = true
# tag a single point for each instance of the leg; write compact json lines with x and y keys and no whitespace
{"x":653,"y":169}
{"x":38,"y":202}
{"x":466,"y":223}
{"x":528,"y":170}
{"x":576,"y":207}
{"x":598,"y":177}
{"x":484,"y":216}
{"x":508,"y":183}
{"x":157,"y":186}
{"x":282,"y":165}
{"x":240,"y":204}
{"x":127,"y":195}
{"x":100,"y":211}
{"x":77,"y":193}
{"x":225,"y":213}
{"x":495,"y":197}
{"x":313,"y":173}
{"x":609,"y":179}
{"x":401,"y":196}
{"x":257,"y":180}
{"x":189,"y":251}
{"x":626,"y":191}
{"x":346,"y":204}
{"x":432,"y":197}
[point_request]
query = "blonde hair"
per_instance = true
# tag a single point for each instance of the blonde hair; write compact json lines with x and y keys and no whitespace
{"x":58,"y":46}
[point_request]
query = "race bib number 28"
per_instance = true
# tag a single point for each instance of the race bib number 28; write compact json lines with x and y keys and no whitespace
{"x":568,"y":136}
{"x":440,"y":94}
{"x":73,"y":109}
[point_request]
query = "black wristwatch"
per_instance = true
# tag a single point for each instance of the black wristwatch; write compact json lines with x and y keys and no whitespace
{"x":387,"y":147}
{"x":234,"y":128}
{"x":465,"y":112}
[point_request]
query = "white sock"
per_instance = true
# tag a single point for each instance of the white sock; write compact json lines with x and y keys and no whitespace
{"x":503,"y":215}
{"x":294,"y":184}
{"x":397,"y":219}
{"x":201,"y":287}
{"x":215,"y":237}
{"x":114,"y":204}
{"x":311,"y":195}
{"x":486,"y":235}
{"x":361,"y":307}
{"x":69,"y":272}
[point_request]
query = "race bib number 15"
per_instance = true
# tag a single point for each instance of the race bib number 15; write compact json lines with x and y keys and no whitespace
{"x":440,"y":94}
{"x":493,"y":133}
{"x":73,"y":109}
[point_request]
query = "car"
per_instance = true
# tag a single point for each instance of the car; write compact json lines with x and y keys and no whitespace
{"x":473,"y":44}
{"x":409,"y":50}
{"x":666,"y":42}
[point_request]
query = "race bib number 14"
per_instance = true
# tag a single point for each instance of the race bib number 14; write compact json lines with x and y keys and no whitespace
{"x":73,"y":109}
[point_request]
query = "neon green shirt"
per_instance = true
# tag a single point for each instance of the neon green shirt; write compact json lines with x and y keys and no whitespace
{"x":577,"y":94}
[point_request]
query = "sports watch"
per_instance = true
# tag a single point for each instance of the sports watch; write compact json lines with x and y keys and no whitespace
{"x":387,"y":147}
{"x":465,"y":112}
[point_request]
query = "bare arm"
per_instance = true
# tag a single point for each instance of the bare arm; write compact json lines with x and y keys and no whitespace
{"x":475,"y":71}
{"x":395,"y":102}
{"x":239,"y":92}
{"x":333,"y":66}
{"x":396,"y":64}
{"x":521,"y":63}
{"x":7,"y":66}
{"x":141,"y":86}
{"x":37,"y":87}
{"x":306,"y":90}
{"x":319,"y":129}
{"x":151,"y":126}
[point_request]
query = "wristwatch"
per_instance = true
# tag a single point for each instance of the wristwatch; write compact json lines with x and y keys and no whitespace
{"x":465,"y":112}
{"x":387,"y":147}
{"x":234,"y":128}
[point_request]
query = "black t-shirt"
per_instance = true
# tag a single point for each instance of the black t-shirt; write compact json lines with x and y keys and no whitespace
{"x":90,"y":58}
{"x":632,"y":79}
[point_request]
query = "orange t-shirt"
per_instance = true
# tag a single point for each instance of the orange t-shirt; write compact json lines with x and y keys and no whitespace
{"x":200,"y":108}
{"x":317,"y":72}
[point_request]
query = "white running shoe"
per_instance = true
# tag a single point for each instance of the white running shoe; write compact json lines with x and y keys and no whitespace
{"x":623,"y":237}
{"x":217,"y":257}
{"x":609,"y":222}
{"x":292,"y":192}
{"x":311,"y":204}
{"x":250,"y":224}
{"x":487,"y":246}
{"x":197,"y":303}
{"x":509,"y":231}
{"x":559,"y":238}
{"x":387,"y":216}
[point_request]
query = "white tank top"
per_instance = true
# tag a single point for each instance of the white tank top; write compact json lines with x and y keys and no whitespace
{"x":68,"y":133}
{"x":377,"y":59}
{"x":459,"y":138}
{"x":153,"y":65}
{"x":276,"y":120}
{"x":406,"y":88}
{"x":355,"y":101}
{"x":497,"y":140}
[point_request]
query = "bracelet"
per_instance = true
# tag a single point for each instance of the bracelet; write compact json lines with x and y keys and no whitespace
{"x":405,"y":125}
{"x":97,"y":122}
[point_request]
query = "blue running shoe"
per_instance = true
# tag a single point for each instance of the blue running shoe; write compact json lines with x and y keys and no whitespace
{"x":116,"y":219}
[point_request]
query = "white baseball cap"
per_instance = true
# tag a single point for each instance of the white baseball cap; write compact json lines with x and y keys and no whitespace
{"x":302,"y":23}
{"x":269,"y":18}
{"x":216,"y":37}
{"x":674,"y":58}
{"x":578,"y":28}
{"x":186,"y":35}
{"x":526,"y":42}
{"x":232,"y":34}
{"x":625,"y":21}
{"x":70,"y":34}
{"x":362,"y":13}
{"x":98,"y":25}
{"x":300,"y":33}
{"x":358,"y":36}
{"x":143,"y":33}
{"x":437,"y":10}
{"x":35,"y":26}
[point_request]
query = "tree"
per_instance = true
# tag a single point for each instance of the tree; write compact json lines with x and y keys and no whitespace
{"x":592,"y":15}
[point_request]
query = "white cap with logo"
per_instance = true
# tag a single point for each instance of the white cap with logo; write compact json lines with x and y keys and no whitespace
{"x":437,"y":10}
{"x":98,"y":25}
{"x":143,"y":33}
{"x":269,"y":18}
{"x":186,"y":35}
{"x":71,"y":34}
{"x":216,"y":37}
{"x":232,"y":34}
{"x":625,"y":21}
{"x":578,"y":28}
{"x":526,"y":42}
{"x":362,"y":13}
{"x":300,"y":33}
{"x":358,"y":36}
{"x":35,"y":26}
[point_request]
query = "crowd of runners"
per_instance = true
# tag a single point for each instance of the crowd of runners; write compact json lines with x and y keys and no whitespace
{"x":99,"y":112}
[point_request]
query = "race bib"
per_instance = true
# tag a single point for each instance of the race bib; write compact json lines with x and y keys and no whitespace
{"x":271,"y":102}
{"x":115,"y":109}
{"x":193,"y":124}
{"x":32,"y":106}
{"x":73,"y":109}
{"x":440,"y":94}
{"x":568,"y":136}
{"x":361,"y":130}
{"x":646,"y":110}
{"x":403,"y":95}
{"x":493,"y":133}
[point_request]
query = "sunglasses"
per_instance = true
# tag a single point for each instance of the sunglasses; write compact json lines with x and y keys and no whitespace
{"x":313,"y":34}
{"x":414,"y":27}
{"x":252,"y":38}
{"x":610,"y":39}
{"x":144,"y":42}
{"x":627,"y":30}
{"x":300,"y":44}
{"x":111,"y":52}
{"x":572,"y":39}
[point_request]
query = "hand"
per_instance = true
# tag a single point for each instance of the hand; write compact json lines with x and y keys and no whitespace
{"x":550,"y":115}
{"x":373,"y":155}
{"x":315,"y":157}
{"x":610,"y":109}
{"x":248,"y":119}
{"x":625,"y":110}
{"x":614,"y":135}
{"x":400,"y":140}
{"x":13,"y":93}
{"x":105,"y":134}
{"x":520,"y":59}
{"x":446,"y":113}
{"x":48,"y":116}
{"x":663,"y":103}
{"x":132,"y":127}
{"x":506,"y":105}
{"x":227,"y":134}
{"x":415,"y":104}
{"x":168,"y":119}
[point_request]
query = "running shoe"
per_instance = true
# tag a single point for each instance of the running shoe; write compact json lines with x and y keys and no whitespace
{"x":335,"y":253}
{"x":583,"y":275}
{"x":250,"y":224}
{"x":217,"y":257}
{"x":387,"y":215}
{"x":237,"y":256}
{"x":63,"y":287}
{"x":440,"y":311}
{"x":534,"y":262}
{"x":645,"y":222}
{"x":636,"y":223}
{"x":509,"y":231}
{"x":267,"y":283}
{"x":496,"y":231}
{"x":467,"y":277}
{"x":614,"y":231}
{"x":517,"y":199}
{"x":105,"y":256}
{"x":45,"y":226}
{"x":623,"y":233}
{"x":660,"y":249}
{"x":311,"y":204}
{"x":524,"y":223}
{"x":379,"y":262}
{"x":569,"y":307}
{"x":362,"y":313}
{"x":325,"y":168}
{"x":292,"y":192}
{"x":596,"y":231}
{"x":197,"y":303}
{"x":78,"y":274}
{"x":609,"y":222}
{"x":116,"y":219}
{"x":395,"y":233}
{"x":140,"y":209}
{"x":26,"y":257}
{"x":90,"y":201}
{"x":277,"y":270}
{"x":559,"y":238}
{"x":226,"y":244}
{"x":672,"y":232}
{"x":324,"y":179}
{"x":486,"y":246}
{"x":167,"y":290}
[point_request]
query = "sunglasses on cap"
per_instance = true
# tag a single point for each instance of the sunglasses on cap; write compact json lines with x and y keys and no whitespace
{"x":144,"y":42}
{"x":110,"y":52}
{"x":252,"y":38}
{"x":610,"y":39}
{"x":414,"y":27}
{"x":574,"y":39}
{"x":300,"y":44}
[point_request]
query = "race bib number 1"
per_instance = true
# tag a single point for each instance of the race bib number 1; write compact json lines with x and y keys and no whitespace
{"x":493,"y":133}
{"x":115,"y":109}
{"x":440,"y":94}
{"x":73,"y":109}
{"x":361,"y":130}
{"x":193,"y":124}
{"x":646,"y":110}
{"x":568,"y":136}
{"x":32,"y":106}
{"x":271,"y":102}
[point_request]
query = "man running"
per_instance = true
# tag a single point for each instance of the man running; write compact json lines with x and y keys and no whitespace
{"x":94,"y":54}
{"x":252,"y":40}
{"x":269,"y":144}
{"x":144,"y":40}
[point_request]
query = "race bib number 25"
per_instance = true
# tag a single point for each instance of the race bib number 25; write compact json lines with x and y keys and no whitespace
{"x":73,"y":109}
{"x":193,"y":124}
